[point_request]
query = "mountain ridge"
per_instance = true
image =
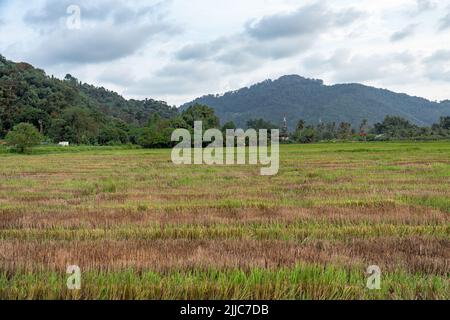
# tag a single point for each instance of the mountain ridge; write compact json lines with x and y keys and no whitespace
{"x":313,"y":101}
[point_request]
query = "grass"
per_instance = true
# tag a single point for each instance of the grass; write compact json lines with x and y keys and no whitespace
{"x":300,"y":282}
{"x":140,"y":227}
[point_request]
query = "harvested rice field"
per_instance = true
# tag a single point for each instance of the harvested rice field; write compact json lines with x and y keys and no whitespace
{"x":140,"y":227}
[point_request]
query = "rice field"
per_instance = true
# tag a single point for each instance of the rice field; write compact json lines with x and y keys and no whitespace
{"x":140,"y":227}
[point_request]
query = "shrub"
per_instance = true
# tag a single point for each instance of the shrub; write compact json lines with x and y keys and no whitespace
{"x":23,"y":137}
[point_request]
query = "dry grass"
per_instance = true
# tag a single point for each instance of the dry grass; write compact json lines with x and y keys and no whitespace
{"x":127,"y":216}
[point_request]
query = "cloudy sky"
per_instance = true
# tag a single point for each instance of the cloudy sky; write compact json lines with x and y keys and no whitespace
{"x":176,"y":50}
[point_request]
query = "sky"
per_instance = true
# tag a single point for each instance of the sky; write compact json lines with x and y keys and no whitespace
{"x":177,"y":50}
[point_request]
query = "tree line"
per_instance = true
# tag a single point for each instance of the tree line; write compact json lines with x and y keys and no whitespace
{"x":391,"y":128}
{"x":158,"y":131}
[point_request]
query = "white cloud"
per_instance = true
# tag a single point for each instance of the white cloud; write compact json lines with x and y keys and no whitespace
{"x":404,"y":33}
{"x":176,"y":50}
{"x":343,"y":66}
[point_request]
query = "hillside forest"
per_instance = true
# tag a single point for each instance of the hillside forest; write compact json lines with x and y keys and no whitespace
{"x":69,"y":110}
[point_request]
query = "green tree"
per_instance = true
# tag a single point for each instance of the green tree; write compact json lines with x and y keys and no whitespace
{"x":202,"y":113}
{"x":259,"y":124}
{"x":444,"y":123}
{"x":60,"y":130}
{"x":151,"y":137}
{"x":396,"y":127}
{"x":158,"y":132}
{"x":298,"y":130}
{"x":300,"y":125}
{"x":344,"y":131}
{"x":307,"y":135}
{"x":178,"y":123}
{"x":330,"y":131}
{"x":229,"y":126}
{"x":111,"y":135}
{"x":39,"y":118}
{"x":84,"y":126}
{"x":23,"y":137}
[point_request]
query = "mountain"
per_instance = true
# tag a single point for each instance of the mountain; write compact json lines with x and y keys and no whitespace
{"x":311,"y":100}
{"x":67,"y":109}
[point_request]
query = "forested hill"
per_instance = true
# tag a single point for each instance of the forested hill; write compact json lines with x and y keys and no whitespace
{"x":67,"y":109}
{"x":312,"y":101}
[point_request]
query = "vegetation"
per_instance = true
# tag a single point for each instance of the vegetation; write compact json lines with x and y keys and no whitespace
{"x":259,"y":124}
{"x":158,"y":131}
{"x":141,"y":227}
{"x":391,"y":128}
{"x":23,"y":136}
{"x":311,"y":100}
{"x":68,"y":110}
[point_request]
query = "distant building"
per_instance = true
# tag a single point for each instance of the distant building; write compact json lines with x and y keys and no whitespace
{"x":64,"y":144}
